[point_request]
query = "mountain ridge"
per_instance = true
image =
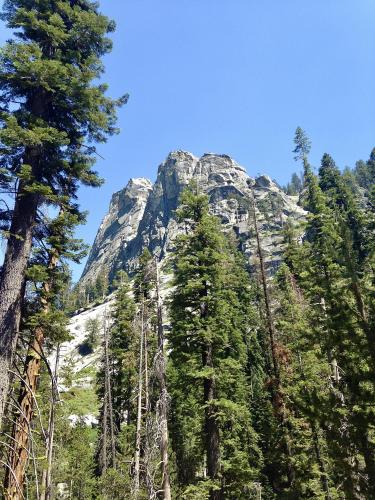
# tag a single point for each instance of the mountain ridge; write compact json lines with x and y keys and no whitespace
{"x":142,"y":213}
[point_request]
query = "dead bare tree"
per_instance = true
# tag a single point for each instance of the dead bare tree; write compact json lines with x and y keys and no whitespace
{"x":107,"y":457}
{"x":266,"y":295}
{"x":162,"y":404}
{"x":276,"y":393}
{"x":137,"y":452}
{"x":112,"y":462}
{"x":47,"y":472}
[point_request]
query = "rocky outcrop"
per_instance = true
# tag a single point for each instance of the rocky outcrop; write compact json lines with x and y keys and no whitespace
{"x":118,"y":228}
{"x":142,"y":214}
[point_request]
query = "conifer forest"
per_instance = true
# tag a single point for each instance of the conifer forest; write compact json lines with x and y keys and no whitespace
{"x":223,"y":350}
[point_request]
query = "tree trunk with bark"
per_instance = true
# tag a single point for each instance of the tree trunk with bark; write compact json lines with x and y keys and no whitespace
{"x":108,"y":394}
{"x":46,"y":488}
{"x":12,"y":284}
{"x":163,"y":398}
{"x":12,"y":277}
{"x":266,"y":296}
{"x":276,"y":393}
{"x":18,"y":456}
{"x":137,"y":453}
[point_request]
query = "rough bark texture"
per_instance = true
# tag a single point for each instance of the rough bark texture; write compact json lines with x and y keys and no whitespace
{"x":12,"y":284}
{"x":18,"y":457}
{"x":17,"y":255}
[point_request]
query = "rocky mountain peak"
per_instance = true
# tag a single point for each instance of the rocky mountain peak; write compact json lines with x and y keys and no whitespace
{"x":142,"y":214}
{"x":118,"y":227}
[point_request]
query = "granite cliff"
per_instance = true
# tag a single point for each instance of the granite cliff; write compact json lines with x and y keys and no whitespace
{"x":142,"y":214}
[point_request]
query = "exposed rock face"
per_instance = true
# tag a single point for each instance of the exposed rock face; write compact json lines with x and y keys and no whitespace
{"x":142,"y":215}
{"x":118,"y":227}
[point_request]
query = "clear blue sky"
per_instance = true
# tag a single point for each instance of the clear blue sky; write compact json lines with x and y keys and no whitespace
{"x":236,"y":77}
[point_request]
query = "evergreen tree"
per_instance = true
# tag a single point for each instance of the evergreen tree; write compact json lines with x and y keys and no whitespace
{"x":354,"y":255}
{"x":137,"y":380}
{"x":50,"y":108}
{"x":47,"y":324}
{"x":91,"y":340}
{"x":306,"y":377}
{"x":101,"y":285}
{"x":302,"y":145}
{"x":122,"y":345}
{"x":327,"y":268}
{"x":364,"y":172}
{"x":210,"y":421}
{"x":116,"y":383}
{"x":295,"y":185}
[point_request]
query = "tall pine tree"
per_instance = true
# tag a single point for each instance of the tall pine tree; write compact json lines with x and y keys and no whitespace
{"x":215,"y":445}
{"x":50,"y":109}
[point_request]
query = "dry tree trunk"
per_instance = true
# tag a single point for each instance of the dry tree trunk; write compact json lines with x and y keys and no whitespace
{"x":150,"y":430}
{"x":47,"y":472}
{"x":163,"y":399}
{"x":108,"y":395}
{"x":137,"y":453}
{"x":266,"y":296}
{"x":108,"y":442}
{"x":275,"y":387}
{"x":18,"y":456}
{"x":104,"y":458}
{"x":147,"y":382}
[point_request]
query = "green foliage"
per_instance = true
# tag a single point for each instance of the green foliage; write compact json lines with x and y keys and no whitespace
{"x":101,"y":285}
{"x":295,"y":186}
{"x":48,"y":63}
{"x":91,"y":341}
{"x":115,"y":484}
{"x":122,"y":351}
{"x":144,"y":280}
{"x":220,"y":374}
{"x":74,"y":461}
{"x":53,"y":107}
{"x":330,"y":277}
{"x":207,"y":306}
{"x":302,"y":144}
{"x":124,"y":347}
{"x":48,"y":275}
{"x":80,"y":401}
{"x":364,"y":172}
